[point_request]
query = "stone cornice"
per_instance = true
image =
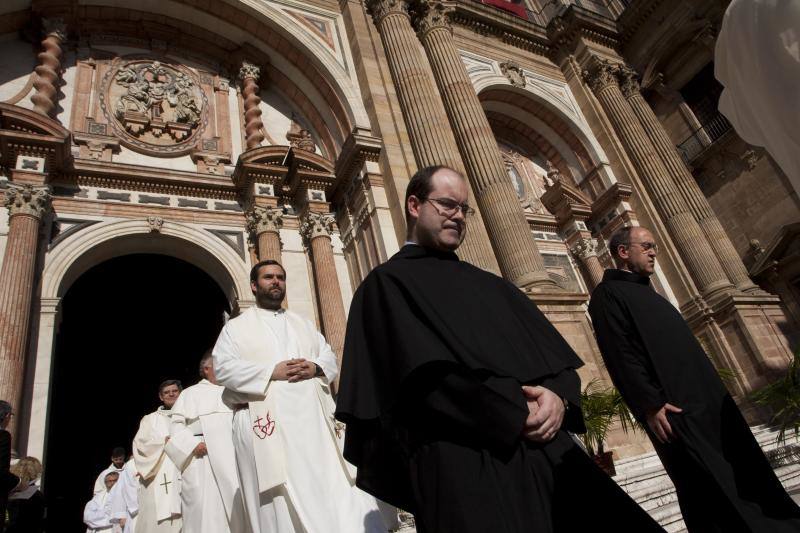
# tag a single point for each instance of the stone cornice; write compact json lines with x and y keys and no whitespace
{"x":358,"y":148}
{"x":635,"y":16}
{"x":576,"y":23}
{"x":512,"y":30}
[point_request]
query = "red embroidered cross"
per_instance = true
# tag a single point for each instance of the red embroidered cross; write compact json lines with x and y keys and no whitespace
{"x":264,"y":430}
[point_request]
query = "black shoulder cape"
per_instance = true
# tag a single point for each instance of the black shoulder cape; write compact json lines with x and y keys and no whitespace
{"x":421,"y":310}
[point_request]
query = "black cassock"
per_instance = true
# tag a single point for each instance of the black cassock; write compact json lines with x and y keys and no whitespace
{"x":723,"y":480}
{"x":435,"y":356}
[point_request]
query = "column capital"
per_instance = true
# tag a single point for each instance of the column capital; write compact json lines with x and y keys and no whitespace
{"x":55,"y":27}
{"x":600,"y":75}
{"x":262,"y":219}
{"x":315,"y":225}
{"x":27,"y":200}
{"x":584,"y":248}
{"x":431,"y":15}
{"x":628,"y":81}
{"x":249,"y":71}
{"x":380,"y":9}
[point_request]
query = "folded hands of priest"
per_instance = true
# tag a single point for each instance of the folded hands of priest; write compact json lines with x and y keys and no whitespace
{"x":545,"y":413}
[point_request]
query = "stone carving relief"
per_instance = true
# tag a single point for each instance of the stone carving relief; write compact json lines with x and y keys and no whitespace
{"x":514,"y":73}
{"x":156,"y":107}
{"x":300,"y":138}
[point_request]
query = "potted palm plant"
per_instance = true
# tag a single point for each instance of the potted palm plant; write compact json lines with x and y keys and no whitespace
{"x":782,"y":398}
{"x":601,"y":407}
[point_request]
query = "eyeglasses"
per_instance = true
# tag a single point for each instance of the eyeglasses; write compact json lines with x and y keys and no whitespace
{"x":646,"y":246}
{"x":450,"y":207}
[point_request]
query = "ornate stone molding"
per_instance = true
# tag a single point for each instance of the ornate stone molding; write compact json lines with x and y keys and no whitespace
{"x":155,"y":223}
{"x":249,"y":71}
{"x":27,"y":200}
{"x":380,"y":9}
{"x":316,"y":225}
{"x":628,"y":81}
{"x":584,"y":248}
{"x":262,"y":219}
{"x":514,"y":73}
{"x":300,"y":138}
{"x":432,"y":15}
{"x":601,"y":75}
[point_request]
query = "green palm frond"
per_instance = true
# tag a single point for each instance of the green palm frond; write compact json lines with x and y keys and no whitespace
{"x":782,"y":398}
{"x":601,"y":406}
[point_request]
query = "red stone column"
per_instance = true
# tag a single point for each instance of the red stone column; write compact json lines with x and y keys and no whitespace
{"x":249,"y":75}
{"x":48,"y":71}
{"x":27,"y":206}
{"x":317,"y":229}
{"x":265,"y":224}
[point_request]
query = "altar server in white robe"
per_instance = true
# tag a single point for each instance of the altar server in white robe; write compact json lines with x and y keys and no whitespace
{"x":201,"y":447}
{"x":277,"y":370}
{"x":97,"y":513}
{"x":117,"y":464}
{"x":160,"y":490}
{"x":124,"y":498}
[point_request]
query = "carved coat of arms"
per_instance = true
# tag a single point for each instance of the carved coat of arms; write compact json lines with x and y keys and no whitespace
{"x":155,"y":106}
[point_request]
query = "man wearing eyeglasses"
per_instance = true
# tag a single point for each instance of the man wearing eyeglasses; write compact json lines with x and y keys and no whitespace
{"x":457,"y":392}
{"x":723,"y":481}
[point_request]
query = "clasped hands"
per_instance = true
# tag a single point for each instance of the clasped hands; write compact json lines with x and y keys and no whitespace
{"x":294,"y":370}
{"x":545,"y":413}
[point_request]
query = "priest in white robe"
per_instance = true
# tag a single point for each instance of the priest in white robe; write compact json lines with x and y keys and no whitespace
{"x":97,"y":513}
{"x":201,"y":447}
{"x":160,"y":490}
{"x":277,"y":371}
{"x":124,"y":499}
{"x":117,"y":464}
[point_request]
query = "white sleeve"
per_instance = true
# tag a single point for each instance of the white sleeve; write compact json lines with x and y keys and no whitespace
{"x":326,"y":359}
{"x":243,"y":380}
{"x":94,"y":515}
{"x":182,"y":442}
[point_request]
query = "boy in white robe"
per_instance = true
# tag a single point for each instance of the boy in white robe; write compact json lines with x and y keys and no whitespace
{"x":277,"y":371}
{"x":124,"y":499}
{"x":97,"y":513}
{"x":159,"y":492}
{"x":201,"y":447}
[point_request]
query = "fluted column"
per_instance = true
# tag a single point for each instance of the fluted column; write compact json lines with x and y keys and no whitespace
{"x":515,"y":248}
{"x":586,"y":251}
{"x":316,"y":228}
{"x":265,"y":224}
{"x":429,"y":131}
{"x":249,"y":75}
{"x":687,"y":186}
{"x":48,"y":71}
{"x":27,"y":206}
{"x":702,"y":263}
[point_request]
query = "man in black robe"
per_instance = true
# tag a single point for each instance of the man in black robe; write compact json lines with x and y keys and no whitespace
{"x":458,"y":393}
{"x":723,"y":480}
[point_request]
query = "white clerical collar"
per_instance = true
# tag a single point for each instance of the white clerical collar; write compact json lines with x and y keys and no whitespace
{"x":271,"y":312}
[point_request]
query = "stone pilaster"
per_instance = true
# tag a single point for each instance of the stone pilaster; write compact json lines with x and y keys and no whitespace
{"x":316,"y":228}
{"x":687,"y":186}
{"x":585,"y":249}
{"x":249,"y":74}
{"x":48,"y":71}
{"x":515,"y":248}
{"x":265,"y":224}
{"x":702,"y":263}
{"x":27,"y":205}
{"x":429,"y":131}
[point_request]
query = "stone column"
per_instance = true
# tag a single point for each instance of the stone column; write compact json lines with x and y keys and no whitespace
{"x":702,"y":263}
{"x":316,"y":228}
{"x":515,"y":248}
{"x":586,"y":251}
{"x":27,"y":206}
{"x":249,"y":75}
{"x":687,"y":186}
{"x":429,"y":131}
{"x":48,"y":71}
{"x":265,"y":224}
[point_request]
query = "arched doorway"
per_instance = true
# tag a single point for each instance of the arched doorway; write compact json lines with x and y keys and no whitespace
{"x":128,"y":323}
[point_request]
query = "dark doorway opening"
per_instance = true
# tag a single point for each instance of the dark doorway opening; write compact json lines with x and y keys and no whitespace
{"x":128,"y":324}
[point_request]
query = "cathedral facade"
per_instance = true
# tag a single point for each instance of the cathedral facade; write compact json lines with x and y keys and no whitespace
{"x":227,"y":132}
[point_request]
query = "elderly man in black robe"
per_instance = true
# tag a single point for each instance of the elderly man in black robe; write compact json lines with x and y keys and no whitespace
{"x":458,"y":393}
{"x":723,"y":480}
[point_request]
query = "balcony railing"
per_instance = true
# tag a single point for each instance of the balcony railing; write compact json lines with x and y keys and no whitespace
{"x":703,"y":137}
